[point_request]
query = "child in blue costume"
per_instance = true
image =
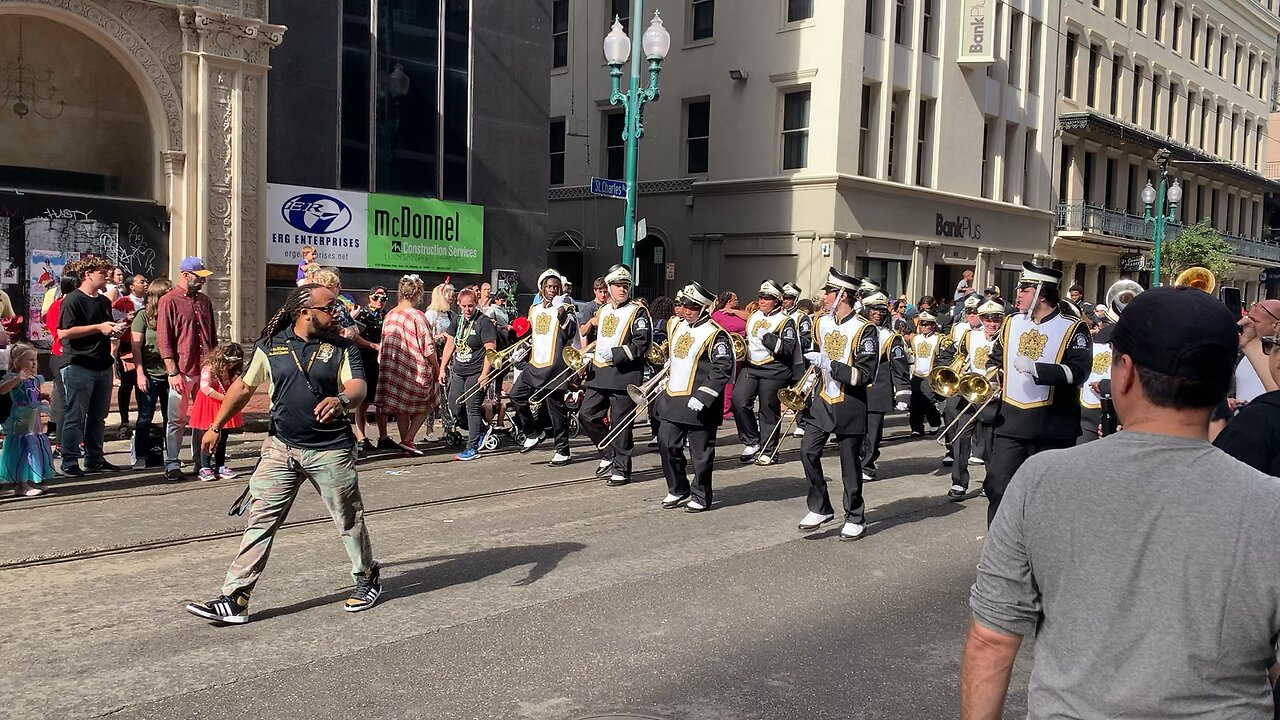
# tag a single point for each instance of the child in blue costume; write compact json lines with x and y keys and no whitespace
{"x":26,"y":459}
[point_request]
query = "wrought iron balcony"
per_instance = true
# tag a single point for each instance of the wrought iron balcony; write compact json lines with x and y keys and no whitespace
{"x":1082,"y":217}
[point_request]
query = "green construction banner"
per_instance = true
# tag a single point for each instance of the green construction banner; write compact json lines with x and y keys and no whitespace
{"x":408,"y":233}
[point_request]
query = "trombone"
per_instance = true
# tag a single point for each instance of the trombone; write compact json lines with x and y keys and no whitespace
{"x":574,"y":359}
{"x":977,"y":389}
{"x":794,"y":399}
{"x":640,"y":395}
{"x":500,"y":363}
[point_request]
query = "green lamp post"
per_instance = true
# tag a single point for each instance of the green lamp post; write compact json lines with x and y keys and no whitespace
{"x":656,"y":43}
{"x":1152,"y":196}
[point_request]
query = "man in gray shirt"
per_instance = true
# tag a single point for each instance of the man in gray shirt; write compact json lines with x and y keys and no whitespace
{"x":1144,"y":563}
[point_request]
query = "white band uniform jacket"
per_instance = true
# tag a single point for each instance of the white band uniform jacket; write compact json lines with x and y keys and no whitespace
{"x":1046,"y":406}
{"x":701,"y":362}
{"x":624,"y":334}
{"x":773,"y":346}
{"x":839,"y":403}
{"x":553,"y":330}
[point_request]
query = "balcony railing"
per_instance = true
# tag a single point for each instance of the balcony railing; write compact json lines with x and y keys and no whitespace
{"x":1082,"y":217}
{"x":1271,"y":171}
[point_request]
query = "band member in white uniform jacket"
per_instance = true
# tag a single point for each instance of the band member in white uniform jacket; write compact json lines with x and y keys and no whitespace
{"x":623,"y":338}
{"x":773,"y":362}
{"x":1045,"y":356}
{"x":891,"y":388}
{"x":691,"y":403}
{"x":554,"y":326}
{"x":1090,"y":399}
{"x":924,"y":351}
{"x":846,"y":362}
{"x":790,"y":296}
{"x":976,"y":347}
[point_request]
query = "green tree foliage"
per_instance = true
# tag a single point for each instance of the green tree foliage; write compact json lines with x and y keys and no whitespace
{"x":1197,"y":245}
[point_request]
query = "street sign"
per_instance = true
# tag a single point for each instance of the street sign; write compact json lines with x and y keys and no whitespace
{"x":642,"y":229}
{"x":609,"y":188}
{"x":671,"y":271}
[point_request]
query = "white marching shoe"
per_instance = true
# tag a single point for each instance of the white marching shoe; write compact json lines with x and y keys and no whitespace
{"x":560,"y":459}
{"x":693,"y":506}
{"x":977,"y":461}
{"x":749,"y":452}
{"x":798,"y":432}
{"x":814,"y":520}
{"x":672,"y":501}
{"x":532,"y":441}
{"x":852,"y":531}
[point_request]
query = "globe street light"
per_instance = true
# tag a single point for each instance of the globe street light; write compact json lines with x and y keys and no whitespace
{"x":655,"y":43}
{"x":1151,"y":196}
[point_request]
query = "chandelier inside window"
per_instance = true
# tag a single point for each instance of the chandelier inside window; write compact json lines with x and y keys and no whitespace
{"x":28,"y":89}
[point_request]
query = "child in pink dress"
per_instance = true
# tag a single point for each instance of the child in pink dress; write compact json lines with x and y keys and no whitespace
{"x":221,"y":367}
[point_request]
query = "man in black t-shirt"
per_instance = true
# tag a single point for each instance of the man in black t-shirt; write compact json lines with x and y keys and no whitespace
{"x":86,"y":329}
{"x":475,"y":335}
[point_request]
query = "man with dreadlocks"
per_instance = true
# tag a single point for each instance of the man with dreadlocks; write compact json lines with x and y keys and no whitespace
{"x":316,"y":377}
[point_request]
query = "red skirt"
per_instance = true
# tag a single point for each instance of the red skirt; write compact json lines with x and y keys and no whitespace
{"x":205,"y":409}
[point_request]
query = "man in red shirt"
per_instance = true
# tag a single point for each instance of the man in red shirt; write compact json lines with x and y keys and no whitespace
{"x":184,"y":333}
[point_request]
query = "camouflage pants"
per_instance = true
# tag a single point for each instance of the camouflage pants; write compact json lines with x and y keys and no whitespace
{"x":273,"y":488}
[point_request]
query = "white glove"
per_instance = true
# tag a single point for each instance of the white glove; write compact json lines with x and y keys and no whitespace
{"x":695,"y":404}
{"x":520,"y":353}
{"x":900,"y":407}
{"x":1025,"y":365}
{"x":818,"y":360}
{"x":588,"y":357}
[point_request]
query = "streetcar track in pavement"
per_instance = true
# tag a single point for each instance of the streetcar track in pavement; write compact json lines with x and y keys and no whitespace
{"x":730,"y":461}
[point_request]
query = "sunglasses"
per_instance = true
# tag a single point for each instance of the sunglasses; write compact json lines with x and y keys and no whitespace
{"x":1267,"y":344}
{"x":327,"y":309}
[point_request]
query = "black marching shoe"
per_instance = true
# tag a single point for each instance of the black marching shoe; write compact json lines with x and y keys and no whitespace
{"x":368,"y":590}
{"x":957,"y":492}
{"x":672,"y":501}
{"x":230,"y":609}
{"x":693,"y":506}
{"x":617,"y":479}
{"x":604,"y":468}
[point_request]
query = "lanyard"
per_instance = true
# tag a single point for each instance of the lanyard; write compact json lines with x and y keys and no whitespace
{"x":306,"y":372}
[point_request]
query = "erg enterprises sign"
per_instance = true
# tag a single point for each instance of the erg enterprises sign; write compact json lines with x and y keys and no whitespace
{"x":333,"y":221}
{"x":977,"y":32}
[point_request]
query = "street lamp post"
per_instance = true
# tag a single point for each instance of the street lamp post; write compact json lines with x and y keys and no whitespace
{"x":1152,"y":196}
{"x":656,"y":42}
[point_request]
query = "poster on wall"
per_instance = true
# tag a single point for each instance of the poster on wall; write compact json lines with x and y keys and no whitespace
{"x":45,"y":273}
{"x":334,"y":222}
{"x":408,"y":233}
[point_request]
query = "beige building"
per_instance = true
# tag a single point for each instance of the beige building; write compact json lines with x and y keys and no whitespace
{"x":1139,"y":76}
{"x":770,"y":155}
{"x":137,"y":132}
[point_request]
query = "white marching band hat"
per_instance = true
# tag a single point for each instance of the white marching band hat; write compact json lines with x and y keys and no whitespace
{"x":771,"y":288}
{"x":695,"y":294}
{"x":971,"y":303}
{"x":991,"y":307}
{"x":549,"y":273}
{"x":839,"y":281}
{"x":876,"y":300}
{"x":866,"y":286}
{"x":927,"y":317}
{"x":791,"y":290}
{"x":1032,"y":274}
{"x":617,"y":275}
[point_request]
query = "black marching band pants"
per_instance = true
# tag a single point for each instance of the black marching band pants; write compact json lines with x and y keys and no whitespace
{"x":973,"y":442}
{"x":702,"y":451}
{"x":745,"y":389}
{"x":553,"y":416}
{"x":850,"y":471}
{"x":469,"y":416}
{"x":596,"y":403}
{"x":871,"y":443}
{"x":921,"y":407}
{"x":1005,"y":456}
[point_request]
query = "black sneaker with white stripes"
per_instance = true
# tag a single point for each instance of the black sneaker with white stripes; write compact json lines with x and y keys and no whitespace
{"x":226,"y":609}
{"x":368,"y":590}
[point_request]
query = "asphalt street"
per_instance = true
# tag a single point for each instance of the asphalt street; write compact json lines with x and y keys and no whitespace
{"x":513,"y":590}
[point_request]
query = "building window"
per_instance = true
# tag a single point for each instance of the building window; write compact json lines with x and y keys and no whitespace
{"x":1208,"y":46}
{"x":795,"y":130}
{"x":1176,"y":40}
{"x":1134,"y":191}
{"x":1088,"y":176}
{"x":1117,"y":71}
{"x":1010,"y":188}
{"x":1195,"y":37}
{"x":1204,"y":123}
{"x":354,"y":135}
{"x":1064,"y":173}
{"x":703,"y":14}
{"x":924,"y":159}
{"x":457,"y":91}
{"x":1189,"y":117}
{"x":871,"y":17}
{"x":615,"y":148}
{"x":1140,"y":23}
{"x":1137,"y":94}
{"x":1095,"y":65}
{"x":1108,"y":198}
{"x":1248,"y":75}
{"x":1033,"y":59}
{"x":1232,"y":145}
{"x":864,"y":130}
{"x":1263,"y":86}
{"x":1159,"y":29}
{"x":1171,"y":118}
{"x":1217,"y":132}
{"x":1223,"y":49}
{"x":987,"y":129}
{"x":557,"y":151}
{"x":698,"y":137}
{"x":560,"y":34}
{"x":1235,"y":67}
{"x":1097,"y":4}
{"x":1028,"y":161}
{"x":798,"y":10}
{"x":900,"y":20}
{"x":890,"y":169}
{"x":928,"y":28}
{"x":1015,"y":49}
{"x":1119,"y":8}
{"x":1069,"y":73}
{"x":1154,"y":110}
{"x":620,"y":9}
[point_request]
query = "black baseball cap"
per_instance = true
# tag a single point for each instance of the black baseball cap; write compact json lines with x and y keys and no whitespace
{"x":1180,"y":332}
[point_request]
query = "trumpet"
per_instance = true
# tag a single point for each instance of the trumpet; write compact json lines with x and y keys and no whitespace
{"x":794,"y":398}
{"x":576,"y":362}
{"x":641,"y":395}
{"x":977,"y":389}
{"x":657,"y":354}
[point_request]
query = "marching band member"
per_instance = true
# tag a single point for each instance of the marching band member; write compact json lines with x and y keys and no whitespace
{"x":891,"y":388}
{"x":772,"y":364}
{"x":1090,"y":395}
{"x":976,"y":346}
{"x":624,"y":334}
{"x":971,"y":320}
{"x":924,"y":351}
{"x":1045,"y":356}
{"x":554,"y":326}
{"x":691,"y":403}
{"x":476,"y":334}
{"x":847,"y":361}
{"x":804,"y":324}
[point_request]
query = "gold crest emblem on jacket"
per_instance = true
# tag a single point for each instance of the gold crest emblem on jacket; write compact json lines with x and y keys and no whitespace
{"x":1031,"y":344}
